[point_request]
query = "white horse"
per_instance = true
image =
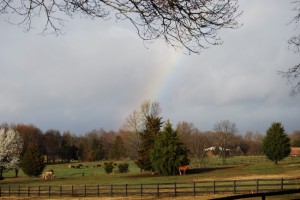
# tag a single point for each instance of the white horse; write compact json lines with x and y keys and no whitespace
{"x":48,"y":175}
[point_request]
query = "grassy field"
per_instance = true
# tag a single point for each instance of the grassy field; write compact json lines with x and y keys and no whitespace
{"x":237,"y":168}
{"x":88,"y":174}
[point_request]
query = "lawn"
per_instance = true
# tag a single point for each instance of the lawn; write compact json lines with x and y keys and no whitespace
{"x":242,"y":169}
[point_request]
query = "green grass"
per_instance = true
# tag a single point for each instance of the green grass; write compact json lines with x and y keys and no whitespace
{"x":213,"y":171}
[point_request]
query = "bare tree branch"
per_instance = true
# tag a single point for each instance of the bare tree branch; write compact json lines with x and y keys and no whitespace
{"x":292,"y":74}
{"x":192,"y":24}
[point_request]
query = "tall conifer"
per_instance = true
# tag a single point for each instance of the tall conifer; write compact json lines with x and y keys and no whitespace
{"x":152,"y":128}
{"x":276,"y":144}
{"x":169,"y":152}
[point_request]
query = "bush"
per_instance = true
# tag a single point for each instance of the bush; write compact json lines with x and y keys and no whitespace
{"x":123,"y":167}
{"x":33,"y":162}
{"x":109,"y":167}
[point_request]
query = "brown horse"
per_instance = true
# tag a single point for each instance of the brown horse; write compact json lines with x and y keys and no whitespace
{"x":183,"y":169}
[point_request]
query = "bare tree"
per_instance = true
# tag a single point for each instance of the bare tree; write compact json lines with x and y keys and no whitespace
{"x":192,"y":24}
{"x":226,"y":130}
{"x":136,"y":123}
{"x":292,"y":74}
{"x":185,"y":130}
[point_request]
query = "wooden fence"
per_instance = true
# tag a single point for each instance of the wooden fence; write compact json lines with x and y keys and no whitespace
{"x":157,"y":189}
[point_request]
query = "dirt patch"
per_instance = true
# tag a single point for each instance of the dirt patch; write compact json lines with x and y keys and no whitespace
{"x":246,"y":177}
{"x":144,"y":175}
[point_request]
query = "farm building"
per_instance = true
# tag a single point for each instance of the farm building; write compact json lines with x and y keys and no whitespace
{"x":213,"y":151}
{"x":295,"y":151}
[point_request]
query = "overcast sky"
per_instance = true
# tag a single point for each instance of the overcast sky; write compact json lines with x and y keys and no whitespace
{"x":98,"y":72}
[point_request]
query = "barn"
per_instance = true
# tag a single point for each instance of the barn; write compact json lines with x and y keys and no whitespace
{"x":295,"y":151}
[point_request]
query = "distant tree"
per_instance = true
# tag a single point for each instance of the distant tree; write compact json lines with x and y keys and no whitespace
{"x":189,"y":24}
{"x":33,"y":161}
{"x":107,"y":140}
{"x":293,"y":73}
{"x":118,"y":149}
{"x":31,"y":134}
{"x":52,"y":140}
{"x":68,"y":153}
{"x":226,"y":131}
{"x":11,"y":145}
{"x":169,"y":152}
{"x":148,"y":136}
{"x":186,"y":131}
{"x":276,"y":144}
{"x":67,"y":149}
{"x":295,"y":139}
{"x":95,"y":146}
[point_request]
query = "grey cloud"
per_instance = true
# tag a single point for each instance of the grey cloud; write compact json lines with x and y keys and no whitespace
{"x":99,"y":72}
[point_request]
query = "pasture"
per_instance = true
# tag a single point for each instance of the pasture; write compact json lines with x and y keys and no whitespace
{"x":237,"y":168}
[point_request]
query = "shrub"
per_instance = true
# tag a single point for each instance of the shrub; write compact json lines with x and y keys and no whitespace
{"x":109,"y":167}
{"x":123,"y":167}
{"x":33,"y":161}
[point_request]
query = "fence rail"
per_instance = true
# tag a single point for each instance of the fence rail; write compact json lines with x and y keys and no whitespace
{"x":158,"y":189}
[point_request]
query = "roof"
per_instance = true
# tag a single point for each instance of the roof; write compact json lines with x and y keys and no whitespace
{"x":295,"y":151}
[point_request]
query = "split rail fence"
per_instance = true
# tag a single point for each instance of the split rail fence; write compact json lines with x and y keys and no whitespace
{"x":157,"y":189}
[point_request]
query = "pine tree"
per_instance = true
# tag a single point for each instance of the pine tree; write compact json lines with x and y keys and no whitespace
{"x":33,"y":161}
{"x":276,"y":144}
{"x":153,"y":125}
{"x":169,"y":152}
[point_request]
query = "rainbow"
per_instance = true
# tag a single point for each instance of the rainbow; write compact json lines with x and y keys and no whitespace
{"x":163,"y":76}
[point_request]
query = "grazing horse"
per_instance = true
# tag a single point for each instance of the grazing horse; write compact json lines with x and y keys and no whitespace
{"x":183,"y":169}
{"x":48,"y":175}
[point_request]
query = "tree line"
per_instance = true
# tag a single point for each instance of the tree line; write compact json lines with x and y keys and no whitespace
{"x":145,"y":138}
{"x":127,"y":142}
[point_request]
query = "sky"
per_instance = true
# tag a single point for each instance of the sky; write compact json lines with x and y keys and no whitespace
{"x":98,"y":72}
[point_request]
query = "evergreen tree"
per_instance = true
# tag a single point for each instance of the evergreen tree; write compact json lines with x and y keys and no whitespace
{"x":169,"y":152}
{"x":276,"y":144}
{"x":33,"y":161}
{"x":152,"y":128}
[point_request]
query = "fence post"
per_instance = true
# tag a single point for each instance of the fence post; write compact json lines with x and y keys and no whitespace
{"x":175,"y":190}
{"x":98,"y":191}
{"x":281,"y":184}
{"x":194,"y":189}
{"x":214,"y":187}
{"x":234,"y":186}
{"x":49,"y":191}
{"x":60,"y":190}
{"x":257,"y":185}
{"x":126,"y":190}
{"x":28,"y":191}
{"x":18,"y":191}
{"x":84,"y":190}
{"x":111,"y":190}
{"x":157,"y":189}
{"x":72,"y":190}
{"x":141,"y":189}
{"x":39,"y":193}
{"x":9,"y":190}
